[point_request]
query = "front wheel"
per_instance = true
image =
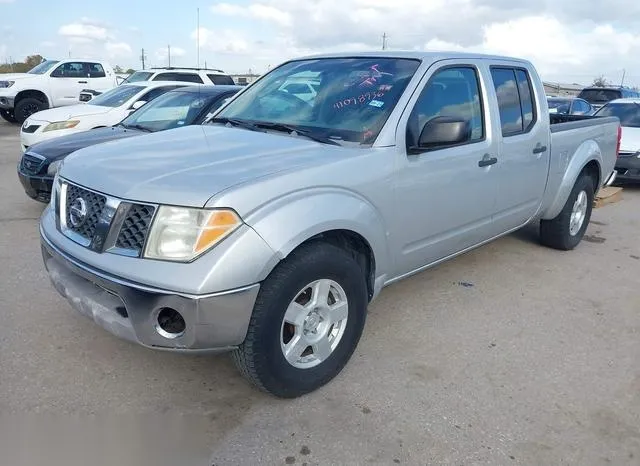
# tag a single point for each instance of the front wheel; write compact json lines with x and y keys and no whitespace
{"x":306,"y":323}
{"x":566,"y":230}
{"x":27,"y":107}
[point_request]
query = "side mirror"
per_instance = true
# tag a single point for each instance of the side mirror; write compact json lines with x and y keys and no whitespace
{"x":444,"y":131}
{"x":138,"y":104}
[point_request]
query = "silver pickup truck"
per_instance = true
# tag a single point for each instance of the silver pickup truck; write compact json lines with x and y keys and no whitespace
{"x":269,"y":230}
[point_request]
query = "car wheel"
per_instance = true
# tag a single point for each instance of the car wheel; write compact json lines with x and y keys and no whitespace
{"x":566,"y":230}
{"x":27,"y":107}
{"x":306,"y":323}
{"x":7,"y":115}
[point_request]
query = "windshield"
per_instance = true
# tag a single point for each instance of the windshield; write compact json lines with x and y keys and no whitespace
{"x":137,"y":77}
{"x":42,"y":67}
{"x":116,"y":96}
{"x":629,"y":114}
{"x":171,"y":110}
{"x":346,"y":99}
{"x":599,"y":95}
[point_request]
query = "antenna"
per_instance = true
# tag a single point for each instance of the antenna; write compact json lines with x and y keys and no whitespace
{"x":143,"y":57}
{"x":624,"y":72}
{"x":169,"y":54}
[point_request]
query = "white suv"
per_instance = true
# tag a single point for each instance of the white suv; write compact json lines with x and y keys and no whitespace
{"x":192,"y":75}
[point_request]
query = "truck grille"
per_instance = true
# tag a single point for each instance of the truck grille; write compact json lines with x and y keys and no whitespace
{"x":103,"y":223}
{"x":83,"y":210}
{"x":31,"y":164}
{"x":135,"y":227}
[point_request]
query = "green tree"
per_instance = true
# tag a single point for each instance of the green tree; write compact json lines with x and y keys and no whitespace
{"x":130,"y":71}
{"x":21,"y":67}
{"x":118,"y":69}
{"x":600,"y":81}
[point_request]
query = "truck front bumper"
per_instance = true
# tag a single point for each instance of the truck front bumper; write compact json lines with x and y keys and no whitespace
{"x":135,"y":312}
{"x":628,"y":168}
{"x":6,"y":103}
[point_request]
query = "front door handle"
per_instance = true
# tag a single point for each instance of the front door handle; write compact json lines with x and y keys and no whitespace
{"x":487,"y":160}
{"x":82,"y":82}
{"x":539,"y":149}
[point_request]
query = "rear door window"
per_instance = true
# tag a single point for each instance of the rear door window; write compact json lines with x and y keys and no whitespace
{"x":515,"y":100}
{"x":221,"y":79}
{"x":186,"y":77}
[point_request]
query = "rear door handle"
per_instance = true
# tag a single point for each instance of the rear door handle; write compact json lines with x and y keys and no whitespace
{"x":82,"y":82}
{"x":539,"y":149}
{"x":487,"y":160}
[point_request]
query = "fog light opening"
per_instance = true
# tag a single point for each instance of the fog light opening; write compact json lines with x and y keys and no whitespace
{"x":170,"y":323}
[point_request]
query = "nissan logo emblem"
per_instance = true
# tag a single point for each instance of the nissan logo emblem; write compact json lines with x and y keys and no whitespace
{"x":77,"y":212}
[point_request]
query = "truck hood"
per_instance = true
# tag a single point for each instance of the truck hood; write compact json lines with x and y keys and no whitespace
{"x":58,"y":148}
{"x":187,"y":166}
{"x":630,"y":139}
{"x":67,"y":112}
{"x":17,"y":76}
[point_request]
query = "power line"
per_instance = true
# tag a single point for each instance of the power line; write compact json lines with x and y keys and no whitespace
{"x":143,"y":57}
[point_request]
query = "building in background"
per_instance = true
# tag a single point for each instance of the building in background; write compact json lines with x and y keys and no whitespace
{"x":244,"y":78}
{"x":562,"y":89}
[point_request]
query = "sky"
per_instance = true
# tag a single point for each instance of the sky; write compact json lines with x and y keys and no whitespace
{"x":570,"y":41}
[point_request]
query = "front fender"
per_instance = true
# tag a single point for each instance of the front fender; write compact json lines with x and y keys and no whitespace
{"x":290,"y":220}
{"x":586,"y":152}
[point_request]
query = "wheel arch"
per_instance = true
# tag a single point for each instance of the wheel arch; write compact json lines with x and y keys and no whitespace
{"x":32,"y":93}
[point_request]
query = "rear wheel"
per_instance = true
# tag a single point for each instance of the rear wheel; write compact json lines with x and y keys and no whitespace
{"x":27,"y":107}
{"x":306,"y":323}
{"x":8,"y":115}
{"x":566,"y":230}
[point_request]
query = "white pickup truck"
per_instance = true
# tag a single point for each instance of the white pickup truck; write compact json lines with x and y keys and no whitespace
{"x":269,"y":231}
{"x":51,"y":84}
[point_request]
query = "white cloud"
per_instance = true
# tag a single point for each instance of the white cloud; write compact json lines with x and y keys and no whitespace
{"x":572,"y":39}
{"x":83,"y":31}
{"x":118,"y":50}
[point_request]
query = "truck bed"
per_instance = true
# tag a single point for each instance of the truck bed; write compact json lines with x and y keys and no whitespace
{"x":560,"y":122}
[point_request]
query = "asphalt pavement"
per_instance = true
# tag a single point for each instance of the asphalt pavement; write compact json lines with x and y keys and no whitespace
{"x":510,"y":354}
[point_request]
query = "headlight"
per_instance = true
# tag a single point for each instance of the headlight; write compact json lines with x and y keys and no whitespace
{"x":54,"y":167}
{"x":6,"y":84}
{"x":182,"y":234}
{"x":61,"y":125}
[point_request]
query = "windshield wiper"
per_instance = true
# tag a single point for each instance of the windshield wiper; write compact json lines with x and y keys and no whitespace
{"x":138,"y":127}
{"x":294,"y":129}
{"x":236,"y":122}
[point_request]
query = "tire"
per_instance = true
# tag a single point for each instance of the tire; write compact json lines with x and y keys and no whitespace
{"x":261,"y":358}
{"x":557,"y":233}
{"x":8,"y":116}
{"x":27,"y":107}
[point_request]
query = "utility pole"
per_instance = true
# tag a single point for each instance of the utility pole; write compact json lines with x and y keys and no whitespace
{"x":624,"y":72}
{"x":143,"y":57}
{"x":384,"y":41}
{"x":198,"y":38}
{"x":169,"y":54}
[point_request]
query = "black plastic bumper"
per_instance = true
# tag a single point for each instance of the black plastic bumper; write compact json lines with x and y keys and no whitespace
{"x":628,"y":168}
{"x":37,"y":187}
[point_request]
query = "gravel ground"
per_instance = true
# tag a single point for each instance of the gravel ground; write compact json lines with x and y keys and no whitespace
{"x":510,"y":354}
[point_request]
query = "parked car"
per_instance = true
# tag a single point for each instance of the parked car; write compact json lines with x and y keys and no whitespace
{"x":51,"y":84}
{"x":104,"y":110}
{"x":569,"y":106}
{"x":598,"y":96}
{"x":192,"y":75}
{"x":628,"y":111}
{"x":269,"y":231}
{"x":188,"y":105}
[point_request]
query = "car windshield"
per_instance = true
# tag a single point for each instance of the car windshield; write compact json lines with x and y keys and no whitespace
{"x":137,"y":77}
{"x":599,"y":95}
{"x":42,"y":67}
{"x":115,"y":97}
{"x":171,"y":110}
{"x":629,"y":114}
{"x":350,"y":101}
